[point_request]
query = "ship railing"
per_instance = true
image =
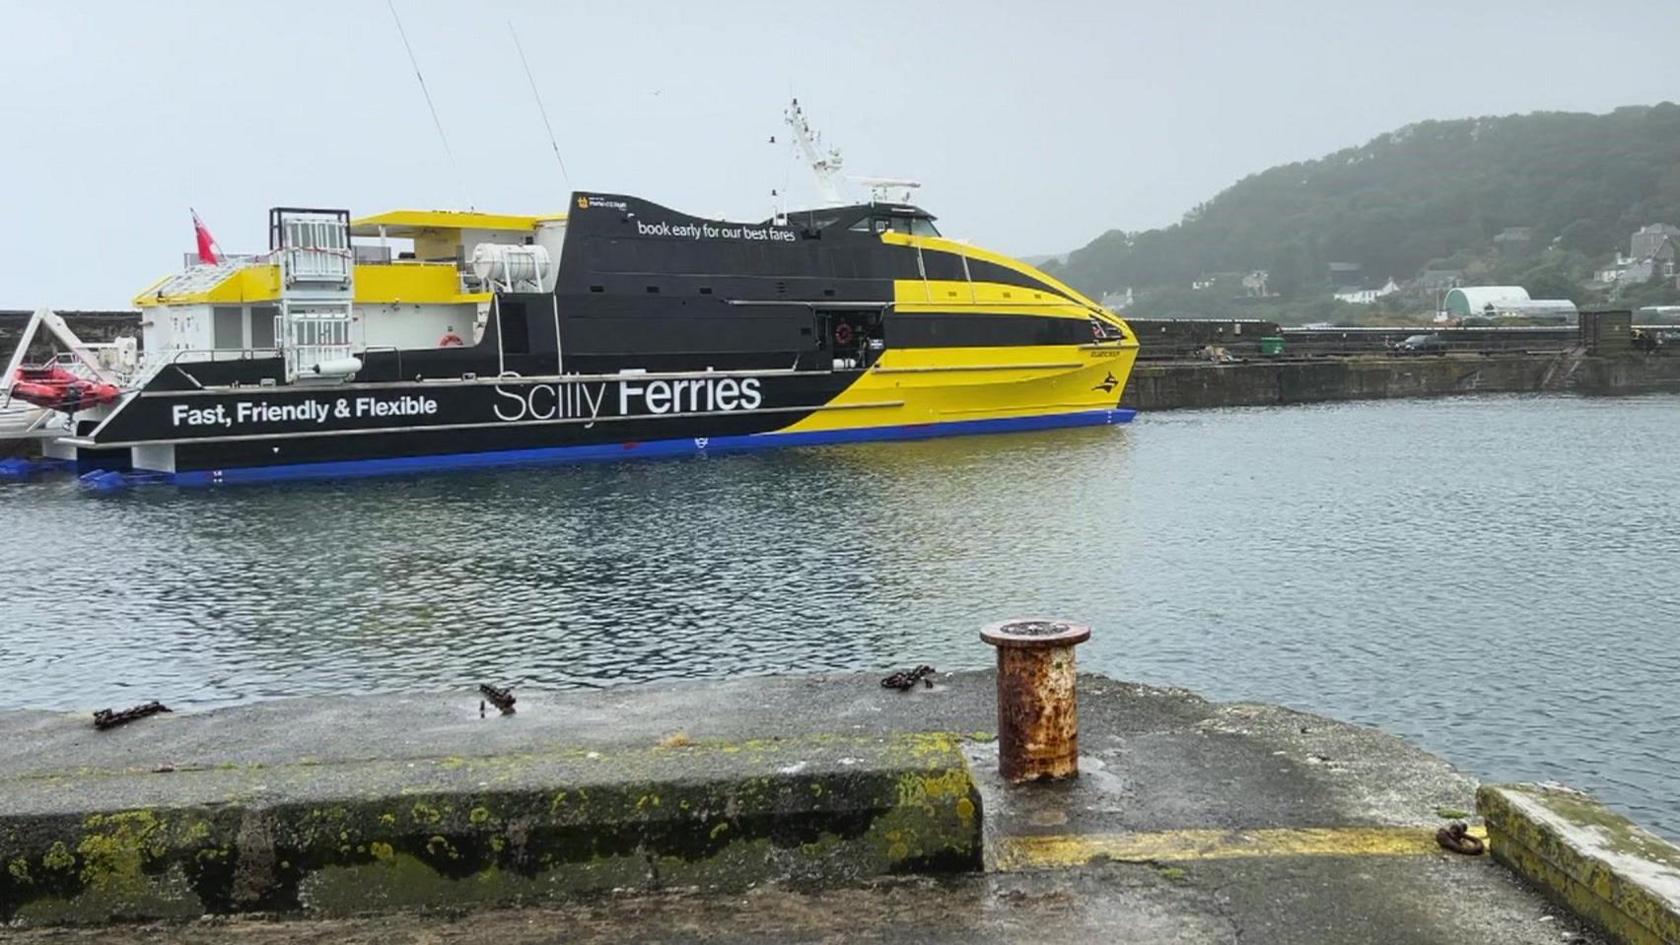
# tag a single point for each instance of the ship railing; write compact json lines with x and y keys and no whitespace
{"x":312,"y":336}
{"x":190,"y":261}
{"x":108,"y":365}
{"x":361,"y":254}
{"x":184,"y":358}
{"x":316,"y":264}
{"x":221,"y":354}
{"x":299,"y":357}
{"x":201,"y":276}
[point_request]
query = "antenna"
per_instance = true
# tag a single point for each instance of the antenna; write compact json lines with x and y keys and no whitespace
{"x":459,"y":181}
{"x":825,"y":166}
{"x":540,"y":109}
{"x":881,"y":188}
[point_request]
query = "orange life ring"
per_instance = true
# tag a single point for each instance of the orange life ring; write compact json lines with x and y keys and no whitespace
{"x":842,"y":334}
{"x":450,"y":340}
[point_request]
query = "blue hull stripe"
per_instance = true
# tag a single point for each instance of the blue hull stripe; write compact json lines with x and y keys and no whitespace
{"x":605,"y":451}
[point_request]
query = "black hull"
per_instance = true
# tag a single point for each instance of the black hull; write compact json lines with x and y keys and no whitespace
{"x":224,"y":429}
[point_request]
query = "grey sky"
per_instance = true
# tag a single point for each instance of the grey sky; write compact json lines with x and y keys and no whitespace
{"x":1033,"y":126}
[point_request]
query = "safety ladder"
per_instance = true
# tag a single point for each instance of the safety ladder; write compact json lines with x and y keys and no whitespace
{"x":317,"y":288}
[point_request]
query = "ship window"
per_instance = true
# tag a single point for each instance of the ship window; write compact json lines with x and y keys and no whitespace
{"x":227,"y":327}
{"x":922,"y":226}
{"x":705,"y":290}
{"x":262,"y":325}
{"x":946,"y":267}
{"x":861,"y":226}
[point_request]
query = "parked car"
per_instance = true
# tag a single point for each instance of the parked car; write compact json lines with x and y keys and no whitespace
{"x":1421,"y":344}
{"x":1651,"y":341}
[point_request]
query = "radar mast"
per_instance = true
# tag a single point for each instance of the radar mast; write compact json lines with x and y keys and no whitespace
{"x":824,"y":164}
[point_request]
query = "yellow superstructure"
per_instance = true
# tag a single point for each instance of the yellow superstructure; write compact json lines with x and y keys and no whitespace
{"x":441,"y":239}
{"x":400,"y":283}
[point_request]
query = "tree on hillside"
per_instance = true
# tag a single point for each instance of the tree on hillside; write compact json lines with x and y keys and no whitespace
{"x":1553,"y":279}
{"x":1433,"y":191}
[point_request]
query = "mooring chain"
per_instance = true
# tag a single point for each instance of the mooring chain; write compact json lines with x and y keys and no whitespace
{"x":1456,"y":837}
{"x":502,"y":699}
{"x":105,"y":718}
{"x":907,"y":680}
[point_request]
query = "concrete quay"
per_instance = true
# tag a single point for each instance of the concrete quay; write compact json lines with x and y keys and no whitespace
{"x":760,"y":810}
{"x":1265,"y":382}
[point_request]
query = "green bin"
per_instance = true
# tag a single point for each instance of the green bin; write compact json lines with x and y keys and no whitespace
{"x":1271,"y":344}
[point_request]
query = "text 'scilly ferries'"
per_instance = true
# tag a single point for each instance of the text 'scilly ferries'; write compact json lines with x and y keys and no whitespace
{"x":621,"y":328}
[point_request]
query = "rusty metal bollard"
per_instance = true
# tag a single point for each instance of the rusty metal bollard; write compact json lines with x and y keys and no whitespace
{"x":1038,"y":716}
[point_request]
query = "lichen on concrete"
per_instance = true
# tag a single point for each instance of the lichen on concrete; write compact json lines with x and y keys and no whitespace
{"x":137,"y":863}
{"x":512,"y":828}
{"x":1605,"y":868}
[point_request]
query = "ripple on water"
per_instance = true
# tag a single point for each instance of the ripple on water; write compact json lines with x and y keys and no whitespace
{"x":1486,"y":576}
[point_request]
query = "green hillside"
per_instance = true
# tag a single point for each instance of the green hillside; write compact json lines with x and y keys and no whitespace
{"x":1431,"y":196}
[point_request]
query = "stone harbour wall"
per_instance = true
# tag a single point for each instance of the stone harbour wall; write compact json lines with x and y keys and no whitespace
{"x":1254,"y":383}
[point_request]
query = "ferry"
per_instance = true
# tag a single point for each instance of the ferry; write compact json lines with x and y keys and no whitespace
{"x":417,"y":340}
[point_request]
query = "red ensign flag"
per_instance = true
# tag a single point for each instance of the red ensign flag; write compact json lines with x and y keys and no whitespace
{"x":208,"y":251}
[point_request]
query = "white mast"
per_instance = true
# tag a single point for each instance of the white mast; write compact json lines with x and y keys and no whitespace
{"x":826,"y":166}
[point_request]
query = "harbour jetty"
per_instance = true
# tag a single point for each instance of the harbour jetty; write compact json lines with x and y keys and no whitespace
{"x":788,"y":808}
{"x":1202,"y":363}
{"x":1279,"y":382}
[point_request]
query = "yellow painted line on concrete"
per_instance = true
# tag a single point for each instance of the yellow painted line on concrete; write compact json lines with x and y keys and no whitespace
{"x":1060,"y":852}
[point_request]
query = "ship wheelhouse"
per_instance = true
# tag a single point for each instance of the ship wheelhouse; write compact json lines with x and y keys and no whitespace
{"x":875,"y":218}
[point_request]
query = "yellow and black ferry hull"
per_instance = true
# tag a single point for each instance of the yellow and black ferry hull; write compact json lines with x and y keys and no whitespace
{"x":215,"y":436}
{"x":664,"y":334}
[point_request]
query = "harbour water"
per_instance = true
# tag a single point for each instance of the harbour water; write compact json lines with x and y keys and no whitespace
{"x":1490,"y":577}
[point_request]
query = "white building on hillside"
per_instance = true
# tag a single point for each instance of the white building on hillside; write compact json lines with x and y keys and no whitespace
{"x":1648,"y":240}
{"x":1367,"y":296}
{"x":1117,"y":301}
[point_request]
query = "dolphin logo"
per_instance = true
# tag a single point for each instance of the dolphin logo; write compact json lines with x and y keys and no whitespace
{"x":1108,"y":384}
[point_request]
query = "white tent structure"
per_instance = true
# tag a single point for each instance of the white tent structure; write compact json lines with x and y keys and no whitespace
{"x":1484,"y":299}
